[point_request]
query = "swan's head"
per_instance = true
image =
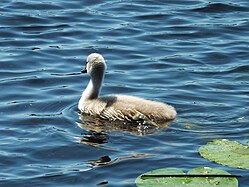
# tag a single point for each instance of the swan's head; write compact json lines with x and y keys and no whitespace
{"x":94,"y":63}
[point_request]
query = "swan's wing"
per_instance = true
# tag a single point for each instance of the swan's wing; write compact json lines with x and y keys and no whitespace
{"x":129,"y":108}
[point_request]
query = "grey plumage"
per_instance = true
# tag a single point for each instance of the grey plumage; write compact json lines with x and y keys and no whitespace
{"x":118,"y":107}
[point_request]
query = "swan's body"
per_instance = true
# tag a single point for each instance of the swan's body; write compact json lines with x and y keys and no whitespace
{"x":118,"y":107}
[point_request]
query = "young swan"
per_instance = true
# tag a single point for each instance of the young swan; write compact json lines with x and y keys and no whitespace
{"x":118,"y":107}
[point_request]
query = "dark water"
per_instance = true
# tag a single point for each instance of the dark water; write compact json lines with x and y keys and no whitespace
{"x":191,"y":54}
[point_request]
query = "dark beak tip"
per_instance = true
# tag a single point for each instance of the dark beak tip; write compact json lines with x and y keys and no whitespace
{"x":83,"y":71}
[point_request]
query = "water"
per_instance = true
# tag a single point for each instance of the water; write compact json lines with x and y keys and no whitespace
{"x":191,"y":54}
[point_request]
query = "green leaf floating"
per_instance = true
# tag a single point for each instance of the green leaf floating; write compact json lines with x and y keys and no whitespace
{"x":225,"y":152}
{"x":197,"y":177}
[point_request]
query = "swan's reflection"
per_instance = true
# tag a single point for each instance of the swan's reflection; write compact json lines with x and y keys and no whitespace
{"x":99,"y":127}
{"x":93,"y":139}
{"x":98,"y":134}
{"x":105,"y":160}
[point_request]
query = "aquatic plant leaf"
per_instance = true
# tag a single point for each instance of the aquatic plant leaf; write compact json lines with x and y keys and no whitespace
{"x":226,"y":152}
{"x":173,"y":177}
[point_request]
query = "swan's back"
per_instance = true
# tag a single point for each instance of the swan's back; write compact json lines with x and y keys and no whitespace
{"x":123,"y":107}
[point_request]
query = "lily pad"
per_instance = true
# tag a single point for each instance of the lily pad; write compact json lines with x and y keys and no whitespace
{"x":226,"y":152}
{"x":173,"y":177}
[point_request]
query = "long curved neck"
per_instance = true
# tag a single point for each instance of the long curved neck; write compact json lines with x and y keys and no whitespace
{"x":94,"y":86}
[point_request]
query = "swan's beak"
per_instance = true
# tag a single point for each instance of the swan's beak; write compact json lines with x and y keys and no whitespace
{"x":84,"y":70}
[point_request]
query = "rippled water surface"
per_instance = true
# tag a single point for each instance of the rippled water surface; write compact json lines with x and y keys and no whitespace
{"x":191,"y":54}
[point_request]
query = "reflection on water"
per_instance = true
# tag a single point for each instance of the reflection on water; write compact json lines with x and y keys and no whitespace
{"x":93,"y":139}
{"x":100,"y":126}
{"x":105,"y":160}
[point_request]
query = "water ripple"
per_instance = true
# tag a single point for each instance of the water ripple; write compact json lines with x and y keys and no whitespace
{"x":221,"y":8}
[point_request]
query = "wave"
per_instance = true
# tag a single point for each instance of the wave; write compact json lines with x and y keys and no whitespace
{"x":220,"y":8}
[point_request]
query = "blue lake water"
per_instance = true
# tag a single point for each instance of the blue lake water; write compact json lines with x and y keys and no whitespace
{"x":191,"y":54}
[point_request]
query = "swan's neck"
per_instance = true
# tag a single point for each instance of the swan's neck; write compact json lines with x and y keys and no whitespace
{"x":92,"y":91}
{"x":93,"y":88}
